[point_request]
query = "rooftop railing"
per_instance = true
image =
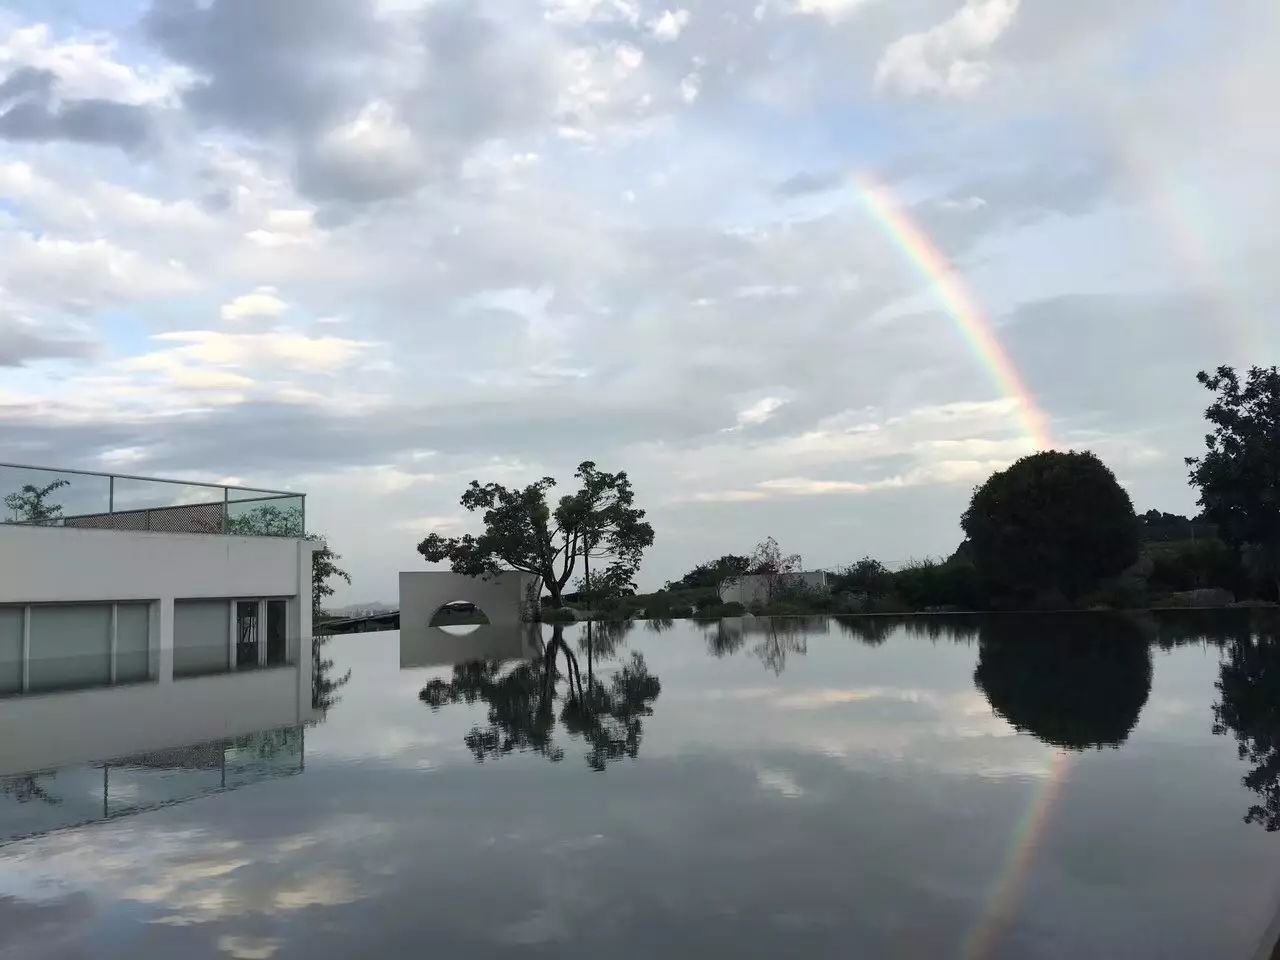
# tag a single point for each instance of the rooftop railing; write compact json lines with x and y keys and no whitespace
{"x":51,"y":497}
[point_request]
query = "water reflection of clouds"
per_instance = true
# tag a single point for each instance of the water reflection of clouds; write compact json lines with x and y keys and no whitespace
{"x":692,"y":837}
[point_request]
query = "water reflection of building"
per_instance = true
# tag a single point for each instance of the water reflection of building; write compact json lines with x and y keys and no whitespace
{"x":73,"y":758}
{"x":444,"y":647}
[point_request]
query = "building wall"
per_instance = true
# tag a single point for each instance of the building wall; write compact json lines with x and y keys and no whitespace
{"x":754,"y":588}
{"x":504,"y":598}
{"x":60,"y":565}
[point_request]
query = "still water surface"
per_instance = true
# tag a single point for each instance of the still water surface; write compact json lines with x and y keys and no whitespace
{"x":1009,"y":787}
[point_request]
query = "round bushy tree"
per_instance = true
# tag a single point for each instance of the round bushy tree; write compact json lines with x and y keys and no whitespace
{"x":1052,"y":522}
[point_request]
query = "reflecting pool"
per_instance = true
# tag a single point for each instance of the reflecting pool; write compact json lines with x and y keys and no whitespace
{"x":946,"y":787}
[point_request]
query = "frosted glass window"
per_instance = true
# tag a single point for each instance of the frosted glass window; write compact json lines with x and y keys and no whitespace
{"x":10,"y":649}
{"x":70,"y":646}
{"x":133,"y":655}
{"x":201,"y":637}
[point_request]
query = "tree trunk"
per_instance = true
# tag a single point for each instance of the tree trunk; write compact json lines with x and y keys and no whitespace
{"x":553,"y":588}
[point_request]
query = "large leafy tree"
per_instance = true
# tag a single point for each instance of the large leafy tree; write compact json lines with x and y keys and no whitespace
{"x":523,"y":531}
{"x":1051,"y":522}
{"x":1239,"y":474}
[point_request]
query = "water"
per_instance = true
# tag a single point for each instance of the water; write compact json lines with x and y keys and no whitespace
{"x":1012,"y":787}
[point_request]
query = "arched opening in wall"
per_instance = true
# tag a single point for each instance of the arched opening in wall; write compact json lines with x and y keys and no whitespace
{"x":459,"y":617}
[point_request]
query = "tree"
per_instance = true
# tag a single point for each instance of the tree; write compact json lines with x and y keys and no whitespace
{"x":867,"y":576}
{"x":269,"y":520}
{"x":613,"y":530}
{"x":266,"y":520}
{"x":324,"y":567}
{"x":1051,"y":522}
{"x":768,"y":561}
{"x":523,"y":532}
{"x":29,"y":504}
{"x":1239,"y":474}
{"x":708,"y":575}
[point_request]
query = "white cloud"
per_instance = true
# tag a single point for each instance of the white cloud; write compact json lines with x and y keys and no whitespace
{"x":261,"y":303}
{"x":761,"y":411}
{"x":669,"y":25}
{"x":87,"y":67}
{"x":947,"y":59}
{"x":833,"y":10}
{"x":690,"y":87}
{"x":588,"y":11}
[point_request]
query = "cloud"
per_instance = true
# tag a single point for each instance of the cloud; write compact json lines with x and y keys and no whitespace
{"x":806,"y":182}
{"x":261,"y":350}
{"x":760,"y":411}
{"x":30,"y":110}
{"x":23,"y":340}
{"x":261,"y":303}
{"x":947,"y":59}
{"x":832,"y":10}
{"x":669,"y":25}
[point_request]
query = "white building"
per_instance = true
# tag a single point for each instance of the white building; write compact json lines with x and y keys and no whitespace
{"x":92,"y":594}
{"x":756,"y":588}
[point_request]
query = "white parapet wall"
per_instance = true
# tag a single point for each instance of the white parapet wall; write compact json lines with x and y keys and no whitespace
{"x":79,"y":577}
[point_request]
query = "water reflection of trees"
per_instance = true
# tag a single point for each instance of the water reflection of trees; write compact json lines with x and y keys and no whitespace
{"x":325,"y":683}
{"x":776,"y":638}
{"x":525,"y":702}
{"x":875,"y":630}
{"x":1248,"y":708}
{"x":1075,"y":681}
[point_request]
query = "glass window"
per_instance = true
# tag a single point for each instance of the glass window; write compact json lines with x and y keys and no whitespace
{"x":201,"y":634}
{"x":11,"y":619}
{"x":133,"y":652}
{"x":70,"y":646}
{"x":247,"y":633}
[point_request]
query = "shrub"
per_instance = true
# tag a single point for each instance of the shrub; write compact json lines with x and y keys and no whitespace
{"x":561,"y":615}
{"x":1052,"y":522}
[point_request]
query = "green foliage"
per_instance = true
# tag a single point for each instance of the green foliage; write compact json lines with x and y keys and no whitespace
{"x":931,"y":584}
{"x":708,"y":575}
{"x":30,"y":503}
{"x":267,"y":520}
{"x":324,"y":568}
{"x":1239,"y":474}
{"x":1193,"y":565}
{"x":559,"y":615}
{"x":1053,"y":523}
{"x":662,"y":606}
{"x":523,"y":532}
{"x":1158,"y":527}
{"x":868,"y":576}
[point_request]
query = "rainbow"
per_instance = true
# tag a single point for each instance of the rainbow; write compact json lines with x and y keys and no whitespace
{"x":954,"y":295}
{"x":1006,"y":889}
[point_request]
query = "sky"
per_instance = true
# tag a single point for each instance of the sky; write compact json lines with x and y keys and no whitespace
{"x":809,"y":269}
